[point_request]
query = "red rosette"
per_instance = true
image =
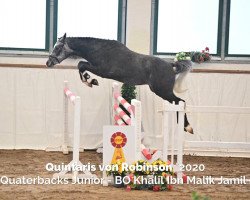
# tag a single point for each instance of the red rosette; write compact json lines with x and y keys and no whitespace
{"x":118,"y":140}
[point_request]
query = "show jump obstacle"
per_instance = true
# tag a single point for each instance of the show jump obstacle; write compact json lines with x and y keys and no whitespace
{"x":173,"y":134}
{"x":122,"y":119}
{"x":123,"y":140}
{"x":69,"y":172}
{"x":126,"y":134}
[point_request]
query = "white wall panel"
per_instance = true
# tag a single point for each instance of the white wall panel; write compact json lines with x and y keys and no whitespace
{"x":31,"y":111}
{"x":32,"y":117}
{"x":7,"y":109}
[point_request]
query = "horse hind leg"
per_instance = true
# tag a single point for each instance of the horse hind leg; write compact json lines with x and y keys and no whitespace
{"x":85,"y":77}
{"x":167,"y":94}
{"x":172,"y":98}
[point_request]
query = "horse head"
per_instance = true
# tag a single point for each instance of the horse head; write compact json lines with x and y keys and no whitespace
{"x":60,"y":52}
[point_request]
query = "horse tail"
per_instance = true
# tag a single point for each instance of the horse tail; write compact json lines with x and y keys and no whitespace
{"x":181,"y":68}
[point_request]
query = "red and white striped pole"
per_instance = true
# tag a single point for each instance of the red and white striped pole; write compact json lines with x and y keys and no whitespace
{"x":119,"y":121}
{"x":122,"y":114}
{"x":71,"y":96}
{"x":123,"y":102}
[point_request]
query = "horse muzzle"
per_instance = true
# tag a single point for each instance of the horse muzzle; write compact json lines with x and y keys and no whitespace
{"x":49,"y":63}
{"x":52,"y":61}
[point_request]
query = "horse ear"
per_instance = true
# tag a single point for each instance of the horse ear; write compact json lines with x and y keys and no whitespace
{"x":64,"y":36}
{"x":62,"y":39}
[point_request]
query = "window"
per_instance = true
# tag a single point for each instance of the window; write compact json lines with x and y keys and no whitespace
{"x":23,"y":24}
{"x":95,"y":18}
{"x":186,"y":26}
{"x":239,"y":29}
{"x":35,"y":25}
{"x":191,"y":25}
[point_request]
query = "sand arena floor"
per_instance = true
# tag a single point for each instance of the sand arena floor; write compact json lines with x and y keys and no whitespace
{"x":30,"y":163}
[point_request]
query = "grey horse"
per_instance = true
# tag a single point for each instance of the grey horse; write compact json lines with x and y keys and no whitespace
{"x":113,"y":60}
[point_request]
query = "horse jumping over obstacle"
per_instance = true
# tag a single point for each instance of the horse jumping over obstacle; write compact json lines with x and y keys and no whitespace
{"x":113,"y":60}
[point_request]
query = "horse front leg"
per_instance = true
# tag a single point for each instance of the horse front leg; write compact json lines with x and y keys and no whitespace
{"x":85,"y":77}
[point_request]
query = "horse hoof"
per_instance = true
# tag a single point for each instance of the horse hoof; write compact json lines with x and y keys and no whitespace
{"x":86,"y":76}
{"x":189,"y":129}
{"x":94,"y":82}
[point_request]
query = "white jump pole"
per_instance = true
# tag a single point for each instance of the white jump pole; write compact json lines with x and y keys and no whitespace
{"x":171,"y":128}
{"x":180,"y":136}
{"x":65,"y":149}
{"x":69,"y":172}
{"x":76,"y":141}
{"x":165,"y":132}
{"x":136,"y":121}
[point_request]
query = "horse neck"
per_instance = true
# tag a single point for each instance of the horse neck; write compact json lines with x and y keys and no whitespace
{"x":85,"y":47}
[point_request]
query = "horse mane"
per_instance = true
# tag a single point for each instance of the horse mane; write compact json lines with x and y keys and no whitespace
{"x":102,"y":45}
{"x":90,"y":38}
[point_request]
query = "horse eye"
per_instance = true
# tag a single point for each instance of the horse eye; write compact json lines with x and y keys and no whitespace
{"x":56,"y":48}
